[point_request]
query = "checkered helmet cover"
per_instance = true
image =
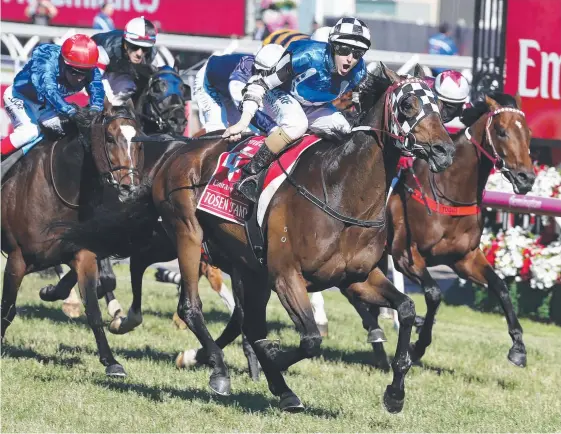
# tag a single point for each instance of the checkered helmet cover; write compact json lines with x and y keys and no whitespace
{"x":415,"y":86}
{"x":350,"y":31}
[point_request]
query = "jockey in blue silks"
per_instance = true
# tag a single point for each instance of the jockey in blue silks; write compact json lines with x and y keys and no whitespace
{"x":299,"y":91}
{"x":219,"y":85}
{"x":36,"y":99}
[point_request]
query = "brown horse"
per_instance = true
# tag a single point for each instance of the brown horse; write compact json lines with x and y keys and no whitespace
{"x":310,"y":247}
{"x":498,"y":136}
{"x":64,"y":181}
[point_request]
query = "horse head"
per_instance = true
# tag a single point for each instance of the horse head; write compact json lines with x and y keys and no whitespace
{"x":162,"y":103}
{"x":117,"y":158}
{"x":412,"y":118}
{"x":497,"y":127}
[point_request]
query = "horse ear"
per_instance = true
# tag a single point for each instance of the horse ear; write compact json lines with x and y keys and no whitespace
{"x":390,"y":75}
{"x":491,"y":103}
{"x":518,"y":101}
{"x":418,"y":71}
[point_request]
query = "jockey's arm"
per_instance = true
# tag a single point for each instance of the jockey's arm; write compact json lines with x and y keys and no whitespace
{"x":44,"y":79}
{"x":260,"y":120}
{"x":96,"y":91}
{"x":255,"y":90}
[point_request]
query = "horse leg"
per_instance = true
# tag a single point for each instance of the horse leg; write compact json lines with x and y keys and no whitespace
{"x":253,"y":299}
{"x":376,"y":336}
{"x":433,"y":297}
{"x":320,"y":316}
{"x":189,"y":309}
{"x":476,"y":268}
{"x":84,"y":263}
{"x":378,"y":290}
{"x":233,"y":329}
{"x":61,"y":290}
{"x":13,"y":275}
{"x":214,"y":277}
{"x":106,"y":287}
{"x":291,"y":290}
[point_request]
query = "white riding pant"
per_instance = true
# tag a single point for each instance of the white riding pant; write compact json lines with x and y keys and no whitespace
{"x":27,"y":116}
{"x":296,"y":119}
{"x":216,"y":112}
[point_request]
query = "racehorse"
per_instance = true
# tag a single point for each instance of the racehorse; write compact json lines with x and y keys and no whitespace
{"x":64,"y":180}
{"x":160,"y":107}
{"x":310,"y":245}
{"x":497,"y":136}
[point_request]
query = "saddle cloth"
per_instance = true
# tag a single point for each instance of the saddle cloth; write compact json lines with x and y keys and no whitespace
{"x":220,"y":197}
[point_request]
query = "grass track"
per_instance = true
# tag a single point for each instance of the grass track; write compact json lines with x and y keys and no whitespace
{"x":52,"y":380}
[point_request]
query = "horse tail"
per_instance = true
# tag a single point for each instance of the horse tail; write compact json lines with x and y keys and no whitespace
{"x":114,"y":232}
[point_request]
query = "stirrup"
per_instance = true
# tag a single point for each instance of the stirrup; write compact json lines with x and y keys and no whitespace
{"x":248,"y":187}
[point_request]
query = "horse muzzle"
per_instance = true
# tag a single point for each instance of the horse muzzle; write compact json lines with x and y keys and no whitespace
{"x":440,"y":156}
{"x":521,"y":180}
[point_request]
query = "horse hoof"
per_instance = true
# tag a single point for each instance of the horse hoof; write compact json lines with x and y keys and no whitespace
{"x":47,"y":293}
{"x":220,"y":384}
{"x":178,"y":322}
{"x":323,"y":330}
{"x":186,"y":359}
{"x":116,"y":371}
{"x":72,"y":310}
{"x":393,"y":401}
{"x":414,"y":354}
{"x":517,"y":358}
{"x":115,"y":325}
{"x":376,"y":336}
{"x":291,"y":403}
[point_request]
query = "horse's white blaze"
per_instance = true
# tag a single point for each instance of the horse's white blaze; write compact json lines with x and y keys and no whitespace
{"x":518,"y":124}
{"x":129,"y":132}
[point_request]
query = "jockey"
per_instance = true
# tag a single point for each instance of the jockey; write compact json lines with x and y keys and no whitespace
{"x":36,"y":99}
{"x":451,"y":90}
{"x":299,"y":91}
{"x":133,"y":46}
{"x":219,"y":85}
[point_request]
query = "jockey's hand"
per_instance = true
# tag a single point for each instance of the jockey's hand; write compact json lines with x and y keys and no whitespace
{"x":234,"y":133}
{"x":83,"y":117}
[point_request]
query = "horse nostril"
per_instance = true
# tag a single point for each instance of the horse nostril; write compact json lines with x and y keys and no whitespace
{"x":439,"y":150}
{"x":526,"y":177}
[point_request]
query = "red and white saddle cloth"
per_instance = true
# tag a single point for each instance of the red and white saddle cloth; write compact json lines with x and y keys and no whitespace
{"x":220,"y":197}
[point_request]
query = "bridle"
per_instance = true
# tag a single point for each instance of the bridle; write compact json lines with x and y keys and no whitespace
{"x":498,"y":163}
{"x":157,"y":116}
{"x":396,"y":125}
{"x":108,"y":176}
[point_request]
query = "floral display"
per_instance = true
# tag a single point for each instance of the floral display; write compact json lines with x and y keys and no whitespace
{"x":517,"y":253}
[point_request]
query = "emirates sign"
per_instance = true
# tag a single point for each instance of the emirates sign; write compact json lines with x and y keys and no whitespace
{"x":533,"y":63}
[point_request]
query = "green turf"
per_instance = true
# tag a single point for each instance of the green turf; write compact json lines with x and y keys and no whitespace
{"x":52,"y":380}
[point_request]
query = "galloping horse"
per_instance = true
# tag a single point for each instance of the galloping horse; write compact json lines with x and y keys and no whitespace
{"x":338,"y":240}
{"x":497,"y":136}
{"x":64,"y":180}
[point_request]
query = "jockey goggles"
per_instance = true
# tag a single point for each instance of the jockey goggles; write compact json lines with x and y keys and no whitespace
{"x":77,"y":72}
{"x":136,"y":47}
{"x":345,"y":50}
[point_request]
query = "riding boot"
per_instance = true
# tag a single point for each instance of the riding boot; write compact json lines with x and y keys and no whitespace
{"x":274,"y":143}
{"x":248,"y":183}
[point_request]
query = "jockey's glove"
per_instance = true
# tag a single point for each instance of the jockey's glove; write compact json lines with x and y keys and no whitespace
{"x":84,"y":117}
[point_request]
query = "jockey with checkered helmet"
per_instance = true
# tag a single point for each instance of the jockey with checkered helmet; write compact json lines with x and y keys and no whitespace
{"x":36,"y":100}
{"x":122,"y":49}
{"x":452,"y":91}
{"x":297,"y":93}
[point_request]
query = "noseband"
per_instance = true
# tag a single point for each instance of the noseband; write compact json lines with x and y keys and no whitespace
{"x":109,"y":176}
{"x":498,"y":163}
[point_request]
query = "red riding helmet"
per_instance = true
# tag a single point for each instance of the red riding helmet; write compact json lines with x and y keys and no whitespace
{"x":80,"y":51}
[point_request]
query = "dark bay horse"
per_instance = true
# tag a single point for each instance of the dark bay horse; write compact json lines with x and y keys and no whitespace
{"x":64,"y":180}
{"x":160,"y":107}
{"x":307,"y":249}
{"x":497,"y":136}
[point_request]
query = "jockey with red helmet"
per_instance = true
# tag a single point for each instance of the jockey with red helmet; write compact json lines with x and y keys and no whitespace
{"x":36,"y":99}
{"x":452,"y":91}
{"x":123,"y":49}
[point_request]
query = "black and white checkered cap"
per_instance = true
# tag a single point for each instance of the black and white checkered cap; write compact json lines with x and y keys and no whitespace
{"x":350,"y":31}
{"x":428,"y":104}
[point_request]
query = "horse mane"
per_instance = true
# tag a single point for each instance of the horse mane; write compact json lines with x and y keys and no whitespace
{"x":370,"y":89}
{"x":479,"y":108}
